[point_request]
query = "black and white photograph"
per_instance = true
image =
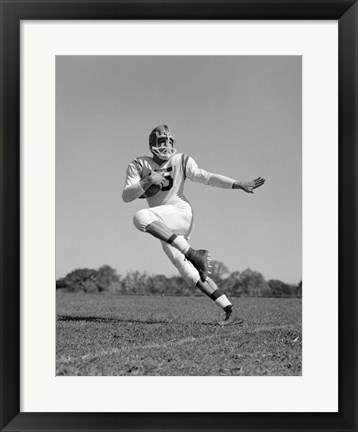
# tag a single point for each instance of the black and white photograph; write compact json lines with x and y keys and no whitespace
{"x":171,"y":174}
{"x":178,"y":215}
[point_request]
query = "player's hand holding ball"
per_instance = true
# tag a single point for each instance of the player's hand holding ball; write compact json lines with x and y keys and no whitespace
{"x":157,"y":178}
{"x":156,"y":181}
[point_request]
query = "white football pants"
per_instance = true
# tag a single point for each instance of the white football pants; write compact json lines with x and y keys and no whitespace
{"x":179,"y":219}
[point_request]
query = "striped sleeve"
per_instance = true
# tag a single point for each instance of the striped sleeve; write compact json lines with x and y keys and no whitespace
{"x":138,"y":164}
{"x":133,"y":174}
{"x":184,"y":163}
{"x":132,"y":186}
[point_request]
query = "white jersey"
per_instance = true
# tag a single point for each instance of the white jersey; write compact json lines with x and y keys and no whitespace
{"x":176,"y":170}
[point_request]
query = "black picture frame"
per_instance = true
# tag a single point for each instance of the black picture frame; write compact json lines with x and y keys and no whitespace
{"x":12,"y":12}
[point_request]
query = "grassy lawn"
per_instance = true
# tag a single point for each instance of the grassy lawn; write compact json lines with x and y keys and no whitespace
{"x":103,"y":334}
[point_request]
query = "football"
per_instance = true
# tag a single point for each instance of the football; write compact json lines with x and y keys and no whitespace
{"x":151,"y":191}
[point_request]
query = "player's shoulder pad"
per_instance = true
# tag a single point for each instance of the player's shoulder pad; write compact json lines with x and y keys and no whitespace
{"x":139,"y":162}
{"x":174,"y":160}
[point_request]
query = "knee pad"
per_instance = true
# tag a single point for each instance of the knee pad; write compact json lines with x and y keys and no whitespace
{"x":143,"y":218}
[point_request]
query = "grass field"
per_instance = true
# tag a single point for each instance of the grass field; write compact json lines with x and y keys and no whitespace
{"x":134,"y":335}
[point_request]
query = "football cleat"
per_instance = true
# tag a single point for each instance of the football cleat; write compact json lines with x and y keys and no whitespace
{"x":200,"y":260}
{"x":230,"y":318}
{"x":161,"y":142}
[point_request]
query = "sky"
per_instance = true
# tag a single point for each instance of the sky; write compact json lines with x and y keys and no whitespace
{"x":240,"y":116}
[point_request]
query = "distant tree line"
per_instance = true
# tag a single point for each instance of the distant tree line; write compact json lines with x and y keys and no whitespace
{"x":247,"y":283}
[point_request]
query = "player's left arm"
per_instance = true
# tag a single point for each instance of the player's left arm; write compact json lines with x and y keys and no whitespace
{"x":196,"y":174}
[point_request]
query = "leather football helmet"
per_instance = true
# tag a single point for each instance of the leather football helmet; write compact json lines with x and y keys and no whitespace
{"x":161,"y":142}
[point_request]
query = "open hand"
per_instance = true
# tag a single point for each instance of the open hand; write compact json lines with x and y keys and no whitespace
{"x":249,"y":186}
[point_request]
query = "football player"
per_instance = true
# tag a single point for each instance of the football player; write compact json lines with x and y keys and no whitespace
{"x":160,"y":179}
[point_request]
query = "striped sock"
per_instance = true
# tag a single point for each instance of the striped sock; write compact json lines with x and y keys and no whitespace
{"x":220,"y":299}
{"x":210,"y":288}
{"x":223,"y":301}
{"x":179,"y":243}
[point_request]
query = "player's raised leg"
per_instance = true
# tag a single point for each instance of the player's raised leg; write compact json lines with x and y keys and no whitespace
{"x":199,"y":258}
{"x":147,"y":220}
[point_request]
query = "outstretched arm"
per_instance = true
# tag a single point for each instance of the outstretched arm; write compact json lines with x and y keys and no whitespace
{"x":249,"y":186}
{"x":196,"y":174}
